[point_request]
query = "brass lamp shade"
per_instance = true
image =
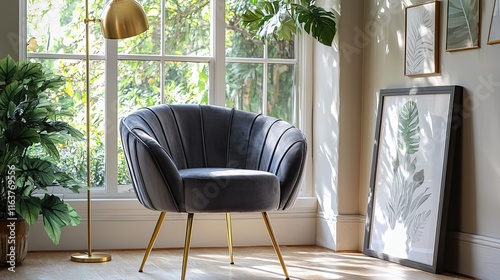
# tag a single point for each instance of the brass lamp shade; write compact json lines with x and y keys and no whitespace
{"x":122,"y":19}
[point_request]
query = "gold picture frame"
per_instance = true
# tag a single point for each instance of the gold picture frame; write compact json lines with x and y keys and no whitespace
{"x":463,"y":31}
{"x":494,"y":33}
{"x":422,"y":39}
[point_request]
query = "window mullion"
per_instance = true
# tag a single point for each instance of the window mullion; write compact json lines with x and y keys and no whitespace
{"x":264,"y":79}
{"x":162,"y":53}
{"x":217,"y":80}
{"x":111,"y":116}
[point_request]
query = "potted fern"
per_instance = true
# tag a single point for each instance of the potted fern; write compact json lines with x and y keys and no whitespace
{"x":282,"y":19}
{"x":30,"y":134}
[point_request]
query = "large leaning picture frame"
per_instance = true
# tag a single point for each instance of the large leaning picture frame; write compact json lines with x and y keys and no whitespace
{"x":422,"y":39}
{"x":411,"y":175}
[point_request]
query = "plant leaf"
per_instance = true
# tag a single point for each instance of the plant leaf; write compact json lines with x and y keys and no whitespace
{"x":47,"y":142}
{"x":8,"y":68}
{"x":416,"y":228}
{"x":463,"y":24}
{"x":420,"y":44}
{"x":58,"y":126}
{"x":408,"y":128}
{"x":55,"y":216}
{"x":28,"y":207}
{"x":40,"y":171}
{"x":75,"y":219}
{"x":21,"y":137}
{"x":317,"y":22}
{"x":281,"y":20}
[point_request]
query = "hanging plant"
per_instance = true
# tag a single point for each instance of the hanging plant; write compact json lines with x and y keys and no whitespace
{"x":283,"y":19}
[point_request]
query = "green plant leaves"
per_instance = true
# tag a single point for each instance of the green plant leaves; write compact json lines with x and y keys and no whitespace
{"x":281,"y":20}
{"x":408,"y":128}
{"x":30,"y":134}
{"x":317,"y":22}
{"x":40,"y":171}
{"x":21,"y":137}
{"x":8,"y":68}
{"x":28,"y":207}
{"x":463,"y":24}
{"x":55,"y":216}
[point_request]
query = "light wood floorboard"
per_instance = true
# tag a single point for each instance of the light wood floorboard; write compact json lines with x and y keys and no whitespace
{"x":252,"y":263}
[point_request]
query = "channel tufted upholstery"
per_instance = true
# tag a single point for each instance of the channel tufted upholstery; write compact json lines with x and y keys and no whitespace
{"x":210,"y":159}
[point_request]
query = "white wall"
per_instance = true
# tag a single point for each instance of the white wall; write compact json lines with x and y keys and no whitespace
{"x":473,"y":246}
{"x":473,"y":243}
{"x":337,"y":131}
{"x":9,"y":29}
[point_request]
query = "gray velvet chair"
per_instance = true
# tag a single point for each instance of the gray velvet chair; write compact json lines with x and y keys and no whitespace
{"x":209,"y":159}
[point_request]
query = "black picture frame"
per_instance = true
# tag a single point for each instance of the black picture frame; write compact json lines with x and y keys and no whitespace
{"x":411,"y":175}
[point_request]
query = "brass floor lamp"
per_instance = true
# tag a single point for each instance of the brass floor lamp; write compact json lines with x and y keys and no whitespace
{"x":121,"y":19}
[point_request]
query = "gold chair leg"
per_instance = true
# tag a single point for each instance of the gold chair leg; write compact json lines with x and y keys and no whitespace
{"x":275,"y":243}
{"x":153,"y":239}
{"x":229,"y":236}
{"x":187,"y":241}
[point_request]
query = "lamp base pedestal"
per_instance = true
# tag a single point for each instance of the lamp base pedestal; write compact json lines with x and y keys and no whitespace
{"x":95,"y":257}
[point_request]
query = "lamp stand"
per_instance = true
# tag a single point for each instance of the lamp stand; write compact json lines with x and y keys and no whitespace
{"x":89,"y":256}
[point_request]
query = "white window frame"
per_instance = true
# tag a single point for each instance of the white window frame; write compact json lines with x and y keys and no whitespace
{"x":303,"y":96}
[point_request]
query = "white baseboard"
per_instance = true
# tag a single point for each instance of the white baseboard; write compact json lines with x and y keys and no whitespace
{"x":473,"y":255}
{"x":340,"y":232}
{"x":125,"y":224}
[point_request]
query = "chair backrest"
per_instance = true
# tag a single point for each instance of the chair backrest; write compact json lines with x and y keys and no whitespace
{"x":160,"y":140}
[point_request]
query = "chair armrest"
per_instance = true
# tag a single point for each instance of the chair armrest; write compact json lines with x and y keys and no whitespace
{"x":155,"y":177}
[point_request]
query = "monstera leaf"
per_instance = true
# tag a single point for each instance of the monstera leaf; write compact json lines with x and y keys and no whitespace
{"x":282,"y":19}
{"x":463,"y":24}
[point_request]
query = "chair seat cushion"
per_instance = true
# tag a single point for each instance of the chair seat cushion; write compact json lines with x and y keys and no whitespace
{"x":223,"y":190}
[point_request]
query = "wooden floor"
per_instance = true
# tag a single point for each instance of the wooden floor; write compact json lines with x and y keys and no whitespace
{"x":252,"y":263}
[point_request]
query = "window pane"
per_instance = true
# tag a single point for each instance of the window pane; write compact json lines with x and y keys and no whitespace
{"x":281,"y":91}
{"x":239,"y":42}
{"x":138,"y":86}
{"x":149,"y":41}
{"x":187,"y":27}
{"x":186,"y":82}
{"x":73,"y":94}
{"x":281,"y":49}
{"x":55,"y":26}
{"x":244,"y":86}
{"x":97,"y":126}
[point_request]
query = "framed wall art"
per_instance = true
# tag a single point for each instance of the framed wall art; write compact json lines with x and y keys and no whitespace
{"x":494,"y":34}
{"x":411,"y":175}
{"x":463,"y":30}
{"x":422,"y":39}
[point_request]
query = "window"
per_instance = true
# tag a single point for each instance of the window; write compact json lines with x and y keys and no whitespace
{"x":194,"y":52}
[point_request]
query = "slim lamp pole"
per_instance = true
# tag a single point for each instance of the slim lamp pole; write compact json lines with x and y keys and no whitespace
{"x":122,"y":19}
{"x":89,"y":256}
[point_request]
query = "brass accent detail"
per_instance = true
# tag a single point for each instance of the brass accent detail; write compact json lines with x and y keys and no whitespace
{"x":229,"y":237}
{"x":153,"y":239}
{"x":127,"y":22}
{"x":123,"y":19}
{"x":187,"y":241}
{"x":94,"y":257}
{"x":275,"y":243}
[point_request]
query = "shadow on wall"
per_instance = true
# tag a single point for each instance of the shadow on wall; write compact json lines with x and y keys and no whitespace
{"x":462,"y":186}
